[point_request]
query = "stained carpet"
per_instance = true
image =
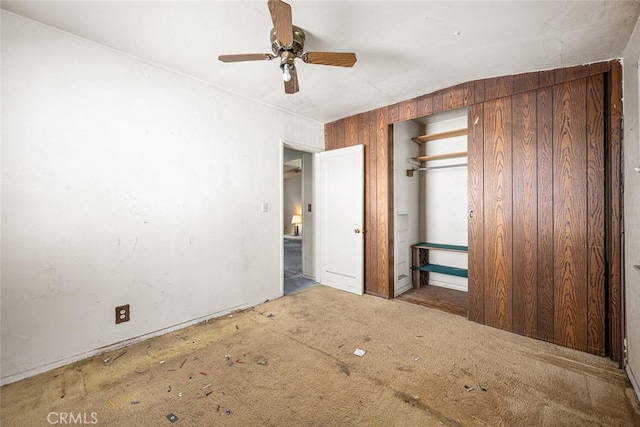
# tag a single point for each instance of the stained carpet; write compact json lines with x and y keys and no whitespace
{"x":291,"y":362}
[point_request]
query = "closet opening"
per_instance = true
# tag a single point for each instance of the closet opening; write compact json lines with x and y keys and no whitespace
{"x":431,"y":211}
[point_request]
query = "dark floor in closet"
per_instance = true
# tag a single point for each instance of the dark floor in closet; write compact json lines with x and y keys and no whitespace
{"x":293,"y":278}
{"x":449,"y":300}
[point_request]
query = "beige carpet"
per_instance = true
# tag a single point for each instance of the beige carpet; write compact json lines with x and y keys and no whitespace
{"x":290,"y":362}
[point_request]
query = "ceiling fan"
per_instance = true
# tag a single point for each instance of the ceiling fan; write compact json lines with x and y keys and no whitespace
{"x":287,"y":43}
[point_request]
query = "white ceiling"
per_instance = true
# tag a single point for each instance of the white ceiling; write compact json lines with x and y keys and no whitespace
{"x":404,"y":49}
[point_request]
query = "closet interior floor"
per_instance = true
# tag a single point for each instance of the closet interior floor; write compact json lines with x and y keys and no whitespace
{"x":444,"y":299}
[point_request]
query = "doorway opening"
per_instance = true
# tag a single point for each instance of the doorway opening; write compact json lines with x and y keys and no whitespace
{"x":297,"y":220}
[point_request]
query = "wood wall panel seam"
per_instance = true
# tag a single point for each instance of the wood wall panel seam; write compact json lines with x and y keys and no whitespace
{"x":383,"y":208}
{"x":570,"y":215}
{"x":476,"y":225}
{"x":498,"y":214}
{"x":371,"y":227}
{"x":525,"y":214}
{"x":544,"y":134}
{"x":595,"y":215}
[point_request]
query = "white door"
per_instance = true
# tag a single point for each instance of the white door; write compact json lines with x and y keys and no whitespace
{"x":341,"y":196}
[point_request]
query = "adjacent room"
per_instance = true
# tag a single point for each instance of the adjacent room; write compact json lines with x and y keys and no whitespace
{"x":320,"y":213}
{"x":297,"y":193}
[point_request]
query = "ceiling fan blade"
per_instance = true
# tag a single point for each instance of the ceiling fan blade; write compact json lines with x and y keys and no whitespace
{"x":338,"y":59}
{"x":282,"y":21}
{"x":292,"y":85}
{"x":246,"y":57}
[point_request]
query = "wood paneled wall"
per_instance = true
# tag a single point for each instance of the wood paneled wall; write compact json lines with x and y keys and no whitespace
{"x":475,"y":92}
{"x":534,"y":293}
{"x":543,"y":223}
{"x":371,"y":129}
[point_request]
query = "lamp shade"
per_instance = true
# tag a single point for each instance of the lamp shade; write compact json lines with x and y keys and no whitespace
{"x":296,"y":220}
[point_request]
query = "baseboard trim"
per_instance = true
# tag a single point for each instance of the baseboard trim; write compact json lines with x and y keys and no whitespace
{"x":399,"y":290}
{"x":634,"y":383}
{"x":448,"y":285}
{"x":11,"y":378}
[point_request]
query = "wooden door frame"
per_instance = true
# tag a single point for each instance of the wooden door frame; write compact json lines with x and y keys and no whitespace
{"x":615,"y":226}
{"x":309,"y":199}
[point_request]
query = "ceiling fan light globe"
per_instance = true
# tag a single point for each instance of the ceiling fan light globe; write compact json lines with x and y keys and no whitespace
{"x":286,"y":75}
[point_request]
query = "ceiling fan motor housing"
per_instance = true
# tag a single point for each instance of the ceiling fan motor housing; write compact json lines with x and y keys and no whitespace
{"x":296,"y":48}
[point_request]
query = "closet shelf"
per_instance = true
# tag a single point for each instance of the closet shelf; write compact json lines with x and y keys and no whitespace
{"x":442,"y":247}
{"x":440,"y":135}
{"x":443,"y":269}
{"x":441,"y":156}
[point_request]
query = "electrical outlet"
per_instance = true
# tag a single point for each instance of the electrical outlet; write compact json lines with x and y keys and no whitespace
{"x":122,"y":313}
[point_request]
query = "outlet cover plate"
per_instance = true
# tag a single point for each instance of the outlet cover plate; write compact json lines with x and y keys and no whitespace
{"x":122,"y":313}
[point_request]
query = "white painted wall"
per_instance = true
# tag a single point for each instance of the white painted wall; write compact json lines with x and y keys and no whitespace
{"x":120,"y":184}
{"x":445,"y":198}
{"x":631,"y":79}
{"x":406,"y":194}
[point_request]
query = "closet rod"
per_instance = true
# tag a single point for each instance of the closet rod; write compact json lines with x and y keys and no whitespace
{"x":426,"y":168}
{"x":412,"y":170}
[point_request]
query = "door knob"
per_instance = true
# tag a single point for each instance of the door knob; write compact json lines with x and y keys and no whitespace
{"x":357,"y":231}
